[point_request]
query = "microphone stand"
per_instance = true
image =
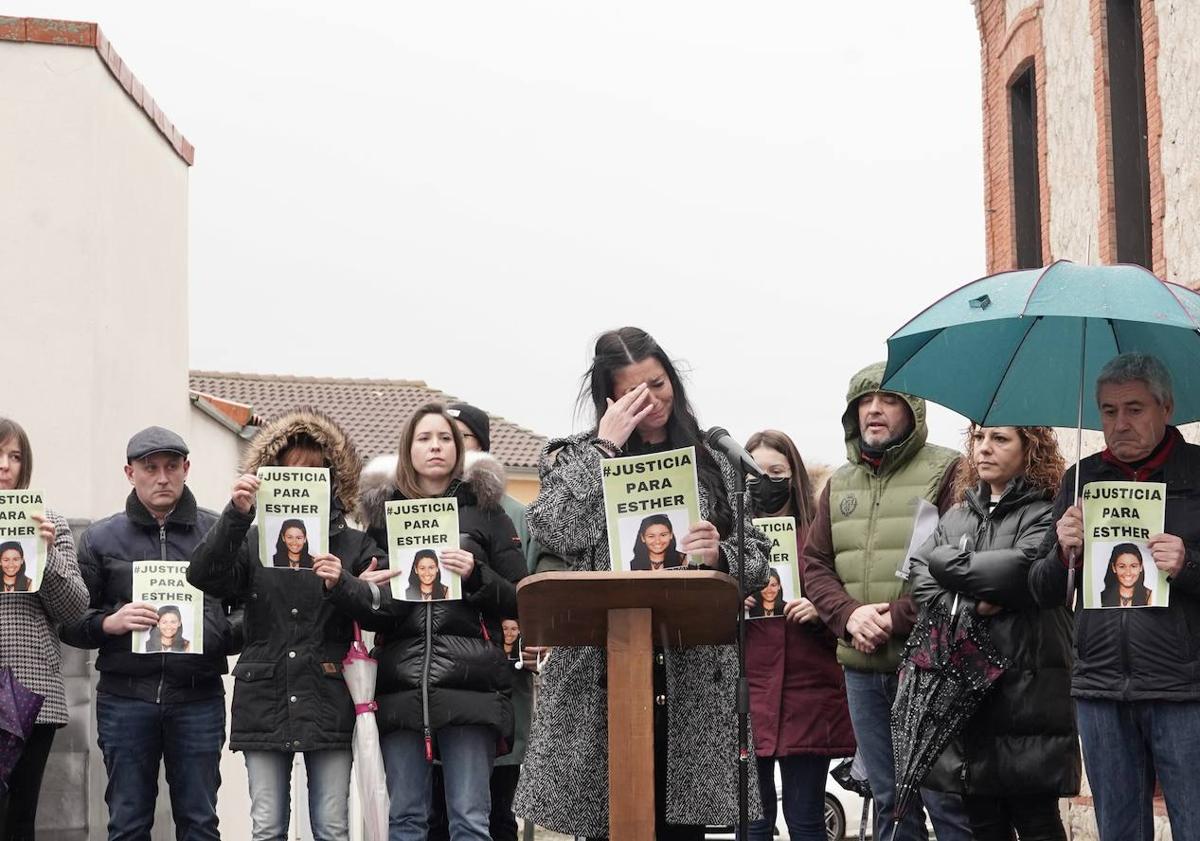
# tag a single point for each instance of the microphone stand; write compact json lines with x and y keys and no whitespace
{"x":743,"y":688}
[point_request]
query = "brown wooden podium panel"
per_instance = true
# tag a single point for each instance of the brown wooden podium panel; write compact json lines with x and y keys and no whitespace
{"x":690,"y":607}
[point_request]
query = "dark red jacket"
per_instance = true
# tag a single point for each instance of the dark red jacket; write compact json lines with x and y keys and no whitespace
{"x":797,"y":691}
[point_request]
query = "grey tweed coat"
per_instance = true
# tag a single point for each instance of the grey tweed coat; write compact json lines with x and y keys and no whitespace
{"x":564,"y":782}
{"x":29,"y":642}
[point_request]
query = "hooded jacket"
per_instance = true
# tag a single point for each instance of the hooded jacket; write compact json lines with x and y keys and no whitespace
{"x":859,"y":538}
{"x":288,"y":693}
{"x":441,"y":663}
{"x":1144,"y":654}
{"x":1022,"y":740}
{"x":107,"y":551}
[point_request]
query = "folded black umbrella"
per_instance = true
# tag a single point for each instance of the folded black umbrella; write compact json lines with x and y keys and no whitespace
{"x":949,"y":666}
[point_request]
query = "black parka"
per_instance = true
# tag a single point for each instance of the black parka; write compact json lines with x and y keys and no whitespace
{"x":288,"y":691}
{"x":441,"y":663}
{"x":1022,"y":740}
{"x":107,"y":551}
{"x":1143,"y":654}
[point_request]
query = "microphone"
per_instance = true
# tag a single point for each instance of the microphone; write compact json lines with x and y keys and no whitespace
{"x":720,"y":439}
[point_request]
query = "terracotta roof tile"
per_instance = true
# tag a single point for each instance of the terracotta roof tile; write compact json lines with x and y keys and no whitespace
{"x":80,"y":34}
{"x":371,"y":411}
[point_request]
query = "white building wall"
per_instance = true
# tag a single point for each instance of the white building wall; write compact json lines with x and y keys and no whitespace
{"x":216,"y":452}
{"x":93,"y":261}
{"x":1179,"y":91}
{"x":1071,"y":131}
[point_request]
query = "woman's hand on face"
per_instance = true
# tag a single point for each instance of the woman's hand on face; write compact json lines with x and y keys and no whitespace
{"x":800,"y":610}
{"x":458,"y":561}
{"x":328,"y":568}
{"x":374,"y":575}
{"x":704,"y":541}
{"x":45,"y":529}
{"x":624,"y":414}
{"x":244,"y":490}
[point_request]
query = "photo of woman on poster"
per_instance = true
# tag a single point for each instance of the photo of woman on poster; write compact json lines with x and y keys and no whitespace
{"x":424,"y":579}
{"x":1125,"y":579}
{"x":167,"y":635}
{"x":291,"y":548}
{"x":12,"y":564}
{"x":654,"y":547}
{"x":512,"y":638}
{"x":770,"y":599}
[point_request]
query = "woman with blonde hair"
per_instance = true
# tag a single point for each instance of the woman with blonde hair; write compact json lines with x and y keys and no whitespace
{"x":1019,"y":752}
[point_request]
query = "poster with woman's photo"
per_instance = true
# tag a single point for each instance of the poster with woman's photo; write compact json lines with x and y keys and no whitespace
{"x":293,"y":515}
{"x":1119,"y":518}
{"x":22,"y":550}
{"x":783,"y":578}
{"x":650,"y":502}
{"x":180,"y":630}
{"x":418,"y":531}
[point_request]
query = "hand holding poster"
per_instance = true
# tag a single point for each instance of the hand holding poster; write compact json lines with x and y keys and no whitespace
{"x":650,"y":502}
{"x":180,"y":606}
{"x":418,"y":531}
{"x":783,"y":577}
{"x":22,"y":549}
{"x":293,"y":515}
{"x":1119,"y":518}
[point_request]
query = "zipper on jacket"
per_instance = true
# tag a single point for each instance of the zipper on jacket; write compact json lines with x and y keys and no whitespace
{"x":162,"y":555}
{"x":425,"y":682}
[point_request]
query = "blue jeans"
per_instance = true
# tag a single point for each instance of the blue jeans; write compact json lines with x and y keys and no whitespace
{"x":870,"y":696}
{"x":467,"y":754}
{"x":270,"y":777}
{"x":134,"y":736}
{"x":1126,"y":745}
{"x":802,"y":779}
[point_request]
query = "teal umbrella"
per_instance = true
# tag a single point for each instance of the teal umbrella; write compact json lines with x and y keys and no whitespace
{"x":1021,"y":348}
{"x":1024,"y":348}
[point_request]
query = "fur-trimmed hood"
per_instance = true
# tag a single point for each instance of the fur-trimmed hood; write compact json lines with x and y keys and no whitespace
{"x":340,"y":452}
{"x":483,"y":475}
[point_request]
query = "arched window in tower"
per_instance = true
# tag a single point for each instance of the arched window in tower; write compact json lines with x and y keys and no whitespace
{"x":1027,"y":193}
{"x":1127,"y":131}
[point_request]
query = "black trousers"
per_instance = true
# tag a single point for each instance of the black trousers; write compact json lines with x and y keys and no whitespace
{"x":18,"y":805}
{"x":1033,"y":818}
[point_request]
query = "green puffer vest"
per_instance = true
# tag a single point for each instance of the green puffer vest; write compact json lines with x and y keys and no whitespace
{"x":871,"y":513}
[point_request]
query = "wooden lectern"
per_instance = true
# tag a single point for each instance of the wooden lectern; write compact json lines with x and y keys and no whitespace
{"x":627,"y":613}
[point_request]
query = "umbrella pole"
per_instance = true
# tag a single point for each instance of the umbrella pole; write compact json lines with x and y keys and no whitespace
{"x":1073,"y":555}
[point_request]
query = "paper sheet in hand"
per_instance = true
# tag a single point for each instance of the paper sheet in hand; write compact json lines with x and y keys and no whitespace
{"x":1118,"y":520}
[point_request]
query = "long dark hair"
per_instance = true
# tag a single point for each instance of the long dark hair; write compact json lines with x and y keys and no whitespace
{"x":801,"y":497}
{"x":641,"y":554}
{"x":616,"y":349}
{"x":154,"y":639}
{"x":440,"y":590}
{"x":1110,"y":596}
{"x":759,"y":609}
{"x":281,"y":558}
{"x":21,"y":581}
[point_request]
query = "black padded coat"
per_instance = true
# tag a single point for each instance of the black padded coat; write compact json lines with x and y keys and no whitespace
{"x":1022,"y":740}
{"x":441,"y":663}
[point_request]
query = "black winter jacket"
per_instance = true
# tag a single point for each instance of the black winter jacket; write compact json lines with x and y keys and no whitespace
{"x":1022,"y":740}
{"x":441,"y":663}
{"x":1135,"y":654}
{"x":288,"y":691}
{"x":107,"y":550}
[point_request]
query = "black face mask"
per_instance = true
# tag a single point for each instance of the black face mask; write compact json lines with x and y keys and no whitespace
{"x":770,"y":493}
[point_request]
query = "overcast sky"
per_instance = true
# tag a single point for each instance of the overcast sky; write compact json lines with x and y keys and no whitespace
{"x":468,"y":193}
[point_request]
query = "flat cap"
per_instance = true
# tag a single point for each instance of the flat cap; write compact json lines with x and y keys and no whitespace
{"x":154,"y":439}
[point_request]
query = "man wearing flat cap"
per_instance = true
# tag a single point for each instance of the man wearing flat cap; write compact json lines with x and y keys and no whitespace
{"x":153,"y":708}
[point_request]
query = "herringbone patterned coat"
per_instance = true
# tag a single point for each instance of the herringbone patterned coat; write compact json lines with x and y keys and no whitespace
{"x":564,"y":782}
